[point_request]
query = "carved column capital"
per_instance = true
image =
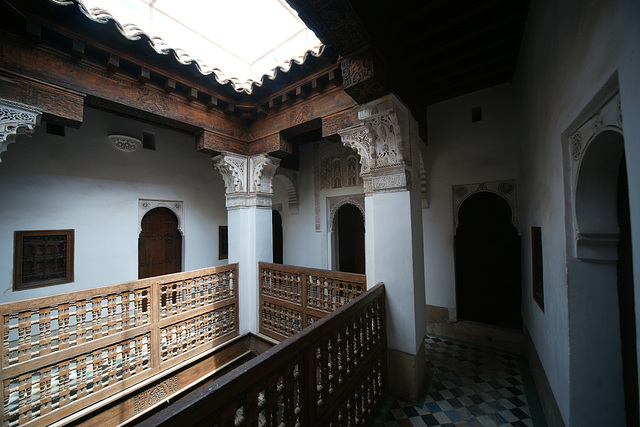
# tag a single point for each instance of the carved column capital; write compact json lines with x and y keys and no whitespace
{"x":247,"y":179}
{"x":16,"y":119}
{"x":378,"y":139}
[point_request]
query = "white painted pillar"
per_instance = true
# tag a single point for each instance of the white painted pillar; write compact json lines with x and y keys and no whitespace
{"x":249,"y":193}
{"x":393,"y":242}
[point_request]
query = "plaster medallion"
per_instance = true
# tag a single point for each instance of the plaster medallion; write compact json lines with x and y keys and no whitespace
{"x":127,"y":144}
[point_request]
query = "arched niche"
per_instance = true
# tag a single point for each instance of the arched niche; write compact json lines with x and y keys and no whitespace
{"x":596,"y":217}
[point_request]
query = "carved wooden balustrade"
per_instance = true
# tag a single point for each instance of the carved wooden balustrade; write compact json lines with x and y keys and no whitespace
{"x":291,"y":298}
{"x":64,"y":352}
{"x":332,"y":373}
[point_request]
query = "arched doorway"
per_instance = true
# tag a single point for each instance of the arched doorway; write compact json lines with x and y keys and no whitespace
{"x":487,"y":262}
{"x":159,"y":244}
{"x":350,"y":239}
{"x":601,"y":290}
{"x":278,"y":248}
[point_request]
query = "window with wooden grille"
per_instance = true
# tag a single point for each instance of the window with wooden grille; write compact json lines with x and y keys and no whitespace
{"x":42,"y":258}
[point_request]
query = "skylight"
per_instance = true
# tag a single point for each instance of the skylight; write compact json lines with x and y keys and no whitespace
{"x":239,"y":40}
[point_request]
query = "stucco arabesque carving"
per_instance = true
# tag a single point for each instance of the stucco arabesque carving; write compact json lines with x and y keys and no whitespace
{"x":16,"y":119}
{"x":507,"y":189}
{"x":248,"y":179}
{"x":335,"y":203}
{"x":378,"y":141}
{"x":608,"y":116}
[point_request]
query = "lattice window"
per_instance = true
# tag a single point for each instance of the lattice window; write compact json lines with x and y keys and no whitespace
{"x":42,"y":258}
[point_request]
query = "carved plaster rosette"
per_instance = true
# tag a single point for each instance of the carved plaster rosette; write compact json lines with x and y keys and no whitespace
{"x":125,"y":143}
{"x":16,"y":119}
{"x":248,"y":180}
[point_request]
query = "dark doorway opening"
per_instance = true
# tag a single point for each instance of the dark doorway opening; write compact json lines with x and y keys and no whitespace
{"x":159,"y":244}
{"x":278,"y":248}
{"x":350,"y":229}
{"x":626,"y":301}
{"x":487,"y":262}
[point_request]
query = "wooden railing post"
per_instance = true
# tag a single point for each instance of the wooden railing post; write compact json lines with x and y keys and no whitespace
{"x":154,"y":309}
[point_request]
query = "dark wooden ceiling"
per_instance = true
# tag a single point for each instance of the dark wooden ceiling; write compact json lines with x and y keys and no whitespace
{"x":434,"y":49}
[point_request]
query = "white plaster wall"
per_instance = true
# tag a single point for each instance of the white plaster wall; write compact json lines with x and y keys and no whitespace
{"x":571,"y":48}
{"x":81,"y":181}
{"x":462,"y":152}
{"x":302,"y":244}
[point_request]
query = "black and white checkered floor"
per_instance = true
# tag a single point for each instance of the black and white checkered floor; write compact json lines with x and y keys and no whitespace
{"x":469,"y":386}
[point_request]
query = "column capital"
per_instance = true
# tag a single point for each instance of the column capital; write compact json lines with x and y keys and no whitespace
{"x":16,"y":119}
{"x":248,"y":180}
{"x":383,"y":143}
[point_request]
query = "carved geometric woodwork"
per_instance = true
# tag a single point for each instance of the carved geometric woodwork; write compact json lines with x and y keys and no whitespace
{"x":58,"y":105}
{"x":363,"y":77}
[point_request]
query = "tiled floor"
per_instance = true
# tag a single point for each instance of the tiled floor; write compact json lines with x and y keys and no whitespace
{"x":468,"y":385}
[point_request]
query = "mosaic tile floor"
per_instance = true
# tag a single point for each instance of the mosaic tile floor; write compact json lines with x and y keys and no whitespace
{"x":468,"y":385}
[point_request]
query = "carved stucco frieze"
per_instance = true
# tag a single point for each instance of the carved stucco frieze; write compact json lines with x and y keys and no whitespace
{"x":248,"y":179}
{"x":16,"y":119}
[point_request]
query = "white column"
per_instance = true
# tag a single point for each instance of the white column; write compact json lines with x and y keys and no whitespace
{"x":393,"y":242}
{"x":16,"y":119}
{"x":249,"y":193}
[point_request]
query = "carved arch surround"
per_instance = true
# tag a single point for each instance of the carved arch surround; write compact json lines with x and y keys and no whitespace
{"x":335,"y":203}
{"x":505,"y":189}
{"x":593,"y":147}
{"x":175,"y":206}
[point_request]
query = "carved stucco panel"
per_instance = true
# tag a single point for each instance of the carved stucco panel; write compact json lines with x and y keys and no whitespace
{"x":16,"y":119}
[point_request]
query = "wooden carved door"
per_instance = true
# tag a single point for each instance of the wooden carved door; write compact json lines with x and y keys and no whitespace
{"x":159,"y":244}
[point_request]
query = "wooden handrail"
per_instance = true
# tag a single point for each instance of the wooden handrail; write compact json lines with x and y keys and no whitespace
{"x":331,"y":373}
{"x":291,"y":298}
{"x":65,"y":352}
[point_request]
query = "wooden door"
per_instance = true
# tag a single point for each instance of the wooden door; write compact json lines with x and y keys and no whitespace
{"x":159,"y":244}
{"x":351,"y":257}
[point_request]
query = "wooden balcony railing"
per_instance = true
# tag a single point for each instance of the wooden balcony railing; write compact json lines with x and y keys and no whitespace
{"x":291,"y":298}
{"x":65,"y":352}
{"x":332,"y":373}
